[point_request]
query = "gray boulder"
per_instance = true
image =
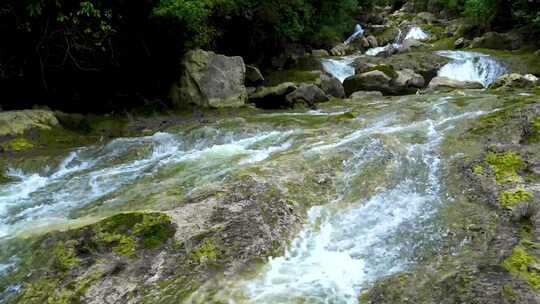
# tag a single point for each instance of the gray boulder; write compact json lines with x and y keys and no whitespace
{"x":272,"y":97}
{"x":408,"y":79}
{"x":309,"y":94}
{"x":370,"y":81}
{"x":341,"y":49}
{"x":372,"y":41}
{"x":461,"y":43}
{"x":14,"y":123}
{"x":409,"y":44}
{"x":445,"y":84}
{"x":425,"y":18}
{"x":332,"y":86}
{"x":210,"y":80}
{"x":515,"y":81}
{"x":498,"y":41}
{"x":254,"y":77}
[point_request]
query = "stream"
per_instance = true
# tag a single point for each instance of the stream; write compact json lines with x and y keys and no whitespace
{"x":388,"y":183}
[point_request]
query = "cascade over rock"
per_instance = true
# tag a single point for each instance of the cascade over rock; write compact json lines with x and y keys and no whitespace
{"x":210,"y":80}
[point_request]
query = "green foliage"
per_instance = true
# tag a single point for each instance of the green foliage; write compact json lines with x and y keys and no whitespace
{"x":65,"y":255}
{"x":297,"y":20}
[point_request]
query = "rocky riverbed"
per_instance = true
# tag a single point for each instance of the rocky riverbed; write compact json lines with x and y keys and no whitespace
{"x":406,"y":176}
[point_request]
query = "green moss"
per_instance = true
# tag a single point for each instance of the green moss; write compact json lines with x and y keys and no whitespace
{"x":508,"y":292}
{"x":386,"y":69}
{"x":505,"y":166}
{"x":122,"y":244}
{"x":18,"y":144}
{"x":509,"y":199}
{"x":294,"y":75}
{"x":154,"y":230}
{"x":535,"y":130}
{"x":207,"y":252}
{"x":65,"y":255}
{"x":521,"y":263}
{"x":478,"y":169}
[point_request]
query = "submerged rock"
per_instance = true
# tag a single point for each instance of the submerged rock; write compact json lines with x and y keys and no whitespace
{"x":445,"y":83}
{"x":364,"y":94}
{"x":515,"y":81}
{"x":13,"y":123}
{"x":210,"y":80}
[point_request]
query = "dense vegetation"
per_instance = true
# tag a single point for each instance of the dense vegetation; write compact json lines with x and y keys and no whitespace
{"x":76,"y":54}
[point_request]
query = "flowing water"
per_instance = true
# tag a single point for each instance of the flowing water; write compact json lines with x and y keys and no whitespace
{"x":389,"y":184}
{"x":471,"y":66}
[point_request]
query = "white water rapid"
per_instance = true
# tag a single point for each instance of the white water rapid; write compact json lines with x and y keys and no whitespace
{"x":341,"y":68}
{"x":124,"y":171}
{"x":471,"y":66}
{"x":415,"y":33}
{"x":342,"y":250}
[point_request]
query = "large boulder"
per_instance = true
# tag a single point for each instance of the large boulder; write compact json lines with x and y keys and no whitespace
{"x":446,"y":84}
{"x":409,"y":44}
{"x":425,"y":18}
{"x":13,"y":123}
{"x":388,"y":36}
{"x":332,"y":86}
{"x":272,"y":97}
{"x":426,"y":64}
{"x":515,"y":81}
{"x":498,"y":41}
{"x":408,"y":79}
{"x":254,"y":77}
{"x":210,"y":80}
{"x":370,"y":81}
{"x":309,"y":94}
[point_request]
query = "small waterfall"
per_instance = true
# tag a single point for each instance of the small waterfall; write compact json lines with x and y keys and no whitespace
{"x":471,"y":66}
{"x":358,"y":31}
{"x":339,"y":68}
{"x":416,"y":33}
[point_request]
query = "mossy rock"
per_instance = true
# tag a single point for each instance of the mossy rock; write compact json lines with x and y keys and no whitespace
{"x":386,"y":69}
{"x":60,"y":263}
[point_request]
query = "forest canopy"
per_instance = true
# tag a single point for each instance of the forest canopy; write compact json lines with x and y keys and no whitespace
{"x":64,"y":50}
